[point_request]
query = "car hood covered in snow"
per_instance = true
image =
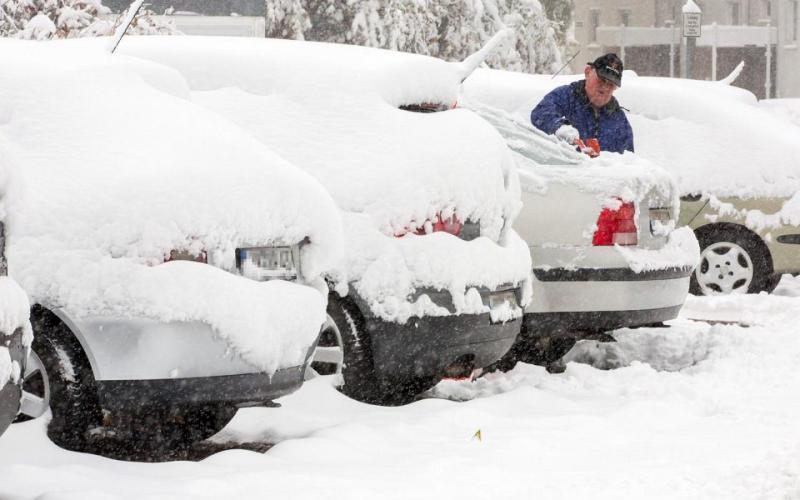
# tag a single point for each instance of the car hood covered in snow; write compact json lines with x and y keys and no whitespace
{"x":109,"y":173}
{"x":334,"y":111}
{"x":712,"y":136}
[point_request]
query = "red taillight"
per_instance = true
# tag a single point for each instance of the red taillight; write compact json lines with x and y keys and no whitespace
{"x":450,"y":225}
{"x":616,"y":227}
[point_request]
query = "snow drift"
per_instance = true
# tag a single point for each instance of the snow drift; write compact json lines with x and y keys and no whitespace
{"x":111,"y":173}
{"x":334,"y":111}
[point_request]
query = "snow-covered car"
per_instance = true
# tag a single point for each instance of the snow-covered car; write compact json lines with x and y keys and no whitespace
{"x":433,"y":275}
{"x":735,"y":163}
{"x":174,"y":262}
{"x":16,"y":335}
{"x":601,"y":231}
{"x":735,"y":160}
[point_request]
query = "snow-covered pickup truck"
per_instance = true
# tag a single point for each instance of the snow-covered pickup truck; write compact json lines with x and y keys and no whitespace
{"x":601,"y":231}
{"x":174,"y":262}
{"x":434,"y":276}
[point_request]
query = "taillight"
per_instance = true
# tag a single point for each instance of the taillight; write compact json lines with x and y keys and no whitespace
{"x":450,"y":225}
{"x":186,"y":255}
{"x":616,"y":227}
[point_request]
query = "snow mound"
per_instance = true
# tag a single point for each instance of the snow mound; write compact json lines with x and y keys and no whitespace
{"x":334,"y":111}
{"x":702,"y":132}
{"x":678,"y":346}
{"x":112,"y":173}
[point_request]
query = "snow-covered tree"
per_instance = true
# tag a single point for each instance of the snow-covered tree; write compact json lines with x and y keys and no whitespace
{"x":449,"y":29}
{"x":43,"y":19}
{"x":288,"y":18}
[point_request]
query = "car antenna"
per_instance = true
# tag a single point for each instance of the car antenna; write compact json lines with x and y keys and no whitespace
{"x":565,"y":65}
{"x":130,"y":15}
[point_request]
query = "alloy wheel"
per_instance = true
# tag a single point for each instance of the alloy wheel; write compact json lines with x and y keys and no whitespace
{"x":725,"y":268}
{"x":328,"y":356}
{"x":35,"y":389}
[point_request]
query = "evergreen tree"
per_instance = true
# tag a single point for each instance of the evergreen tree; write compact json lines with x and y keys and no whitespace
{"x":449,"y":29}
{"x":44,"y":19}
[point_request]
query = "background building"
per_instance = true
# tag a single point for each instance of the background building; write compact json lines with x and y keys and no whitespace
{"x":648,"y":34}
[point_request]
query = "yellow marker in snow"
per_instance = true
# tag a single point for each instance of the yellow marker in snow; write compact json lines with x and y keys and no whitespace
{"x":477,"y":435}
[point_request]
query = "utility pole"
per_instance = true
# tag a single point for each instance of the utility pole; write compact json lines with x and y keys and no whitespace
{"x":692,"y":28}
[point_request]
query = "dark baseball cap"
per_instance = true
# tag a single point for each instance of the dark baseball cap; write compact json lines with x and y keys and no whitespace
{"x":609,"y":67}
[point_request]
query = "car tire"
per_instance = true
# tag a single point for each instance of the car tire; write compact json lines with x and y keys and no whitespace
{"x":741,"y":258}
{"x":162,"y":432}
{"x":360,"y":379}
{"x":59,"y":373}
{"x":538,"y":350}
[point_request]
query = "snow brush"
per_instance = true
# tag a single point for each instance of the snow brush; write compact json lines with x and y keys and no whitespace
{"x":591,"y":147}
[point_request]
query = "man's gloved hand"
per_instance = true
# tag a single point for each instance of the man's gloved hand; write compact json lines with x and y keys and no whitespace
{"x":568,"y":134}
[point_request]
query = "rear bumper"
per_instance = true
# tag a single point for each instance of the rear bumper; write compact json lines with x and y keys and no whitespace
{"x":424,"y":347}
{"x":603,"y":299}
{"x":245,"y":389}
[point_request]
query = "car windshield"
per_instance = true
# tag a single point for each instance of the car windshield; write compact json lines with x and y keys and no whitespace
{"x":523,"y":138}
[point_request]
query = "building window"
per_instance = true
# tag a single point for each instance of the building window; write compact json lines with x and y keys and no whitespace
{"x":766,"y":8}
{"x":594,"y":23}
{"x":733,"y":9}
{"x":625,"y":17}
{"x":795,"y":4}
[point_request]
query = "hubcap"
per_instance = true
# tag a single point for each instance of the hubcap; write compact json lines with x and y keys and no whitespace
{"x":35,"y":388}
{"x":724,"y":268}
{"x":329,"y":355}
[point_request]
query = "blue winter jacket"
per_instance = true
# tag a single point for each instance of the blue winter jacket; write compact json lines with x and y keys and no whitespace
{"x":570,"y":105}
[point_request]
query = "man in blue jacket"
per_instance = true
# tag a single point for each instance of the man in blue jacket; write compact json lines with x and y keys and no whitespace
{"x":587,"y":109}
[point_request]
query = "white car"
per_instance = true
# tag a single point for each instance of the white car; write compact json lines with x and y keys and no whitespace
{"x":600,"y":231}
{"x":434,"y":275}
{"x":174,"y":263}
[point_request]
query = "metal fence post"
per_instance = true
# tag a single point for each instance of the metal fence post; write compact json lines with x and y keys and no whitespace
{"x":714,"y":42}
{"x":768,"y":81}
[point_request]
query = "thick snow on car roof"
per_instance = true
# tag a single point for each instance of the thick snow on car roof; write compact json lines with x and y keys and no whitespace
{"x":334,"y":111}
{"x":111,"y":174}
{"x":710,"y":135}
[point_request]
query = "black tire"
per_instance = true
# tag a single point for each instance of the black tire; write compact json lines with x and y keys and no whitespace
{"x":78,"y":423}
{"x":538,"y":350}
{"x":72,"y":392}
{"x":361,"y":381}
{"x":772,"y":283}
{"x":155,"y":433}
{"x":763,"y":276}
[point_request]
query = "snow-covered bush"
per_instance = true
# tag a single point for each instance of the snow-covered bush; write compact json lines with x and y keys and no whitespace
{"x":446,"y":29}
{"x":45,"y":19}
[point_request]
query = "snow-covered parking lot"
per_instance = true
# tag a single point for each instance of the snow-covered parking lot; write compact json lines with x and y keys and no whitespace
{"x":702,"y":409}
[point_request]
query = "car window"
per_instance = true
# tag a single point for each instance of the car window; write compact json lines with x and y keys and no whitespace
{"x":529,"y":142}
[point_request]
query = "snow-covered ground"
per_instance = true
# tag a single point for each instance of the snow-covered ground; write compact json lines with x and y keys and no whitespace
{"x":697,"y":410}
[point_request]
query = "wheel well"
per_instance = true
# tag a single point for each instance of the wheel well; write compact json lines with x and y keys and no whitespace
{"x":710,"y":229}
{"x":57,"y":328}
